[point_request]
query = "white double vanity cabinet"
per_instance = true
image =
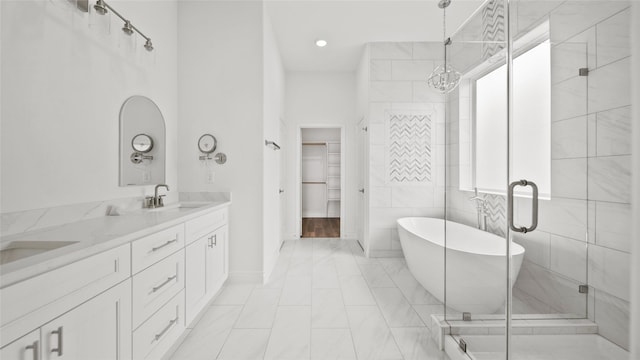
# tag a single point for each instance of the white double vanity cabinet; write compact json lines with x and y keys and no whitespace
{"x":127,"y":292}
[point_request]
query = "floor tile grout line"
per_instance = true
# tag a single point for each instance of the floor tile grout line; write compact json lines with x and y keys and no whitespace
{"x":264,"y":353}
{"x":353,"y":342}
{"x":395,"y":341}
{"x":233,"y":326}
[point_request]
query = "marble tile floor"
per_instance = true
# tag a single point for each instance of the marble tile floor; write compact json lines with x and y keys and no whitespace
{"x":324,"y":301}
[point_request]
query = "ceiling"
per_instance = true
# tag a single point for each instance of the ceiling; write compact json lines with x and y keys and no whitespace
{"x":349,"y":24}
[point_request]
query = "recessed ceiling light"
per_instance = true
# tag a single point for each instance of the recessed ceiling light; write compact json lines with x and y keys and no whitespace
{"x":321,"y":43}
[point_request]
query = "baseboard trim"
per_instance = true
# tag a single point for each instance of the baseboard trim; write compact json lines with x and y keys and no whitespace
{"x":245,"y":277}
{"x":386,"y":254}
{"x":267,"y":274}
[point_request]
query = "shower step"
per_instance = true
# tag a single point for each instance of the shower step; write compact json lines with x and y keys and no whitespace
{"x":540,"y":347}
{"x":440,"y":327}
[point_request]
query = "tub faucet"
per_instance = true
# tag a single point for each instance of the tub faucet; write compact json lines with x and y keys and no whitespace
{"x":481,"y":208}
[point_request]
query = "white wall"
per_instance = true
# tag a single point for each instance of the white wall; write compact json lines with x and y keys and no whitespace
{"x":63,"y":84}
{"x":362,"y":157}
{"x":274,"y":81}
{"x":635,"y":251}
{"x":220,"y":70}
{"x":320,"y":134}
{"x":323,"y":99}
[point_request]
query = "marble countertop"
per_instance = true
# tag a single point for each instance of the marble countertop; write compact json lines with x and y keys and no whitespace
{"x":95,"y":235}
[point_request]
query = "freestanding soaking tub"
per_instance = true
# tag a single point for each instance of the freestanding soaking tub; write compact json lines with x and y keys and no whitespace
{"x":475,"y":263}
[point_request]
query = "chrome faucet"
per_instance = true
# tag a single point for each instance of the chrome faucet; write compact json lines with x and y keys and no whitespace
{"x":156,"y":200}
{"x":481,"y":208}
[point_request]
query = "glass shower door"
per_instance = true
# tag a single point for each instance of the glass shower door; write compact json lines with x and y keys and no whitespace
{"x":548,"y":146}
{"x":538,"y":154}
{"x":566,"y":282}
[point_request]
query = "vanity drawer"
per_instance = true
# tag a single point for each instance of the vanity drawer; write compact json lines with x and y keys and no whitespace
{"x":200,"y":226}
{"x":77,"y":281}
{"x":158,"y":334}
{"x":153,"y":248}
{"x":156,"y":285}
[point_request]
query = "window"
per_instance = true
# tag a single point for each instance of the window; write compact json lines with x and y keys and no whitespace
{"x":485,"y":155}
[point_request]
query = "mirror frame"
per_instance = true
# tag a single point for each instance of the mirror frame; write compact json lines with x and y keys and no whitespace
{"x":152,"y":171}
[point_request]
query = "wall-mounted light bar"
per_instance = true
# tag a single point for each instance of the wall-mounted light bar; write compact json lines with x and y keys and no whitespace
{"x":101,"y":7}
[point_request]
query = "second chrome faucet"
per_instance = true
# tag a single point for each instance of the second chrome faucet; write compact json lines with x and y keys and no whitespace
{"x":156,"y":200}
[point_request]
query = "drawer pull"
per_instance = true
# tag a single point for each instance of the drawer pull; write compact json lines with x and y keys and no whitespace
{"x":171,"y":323}
{"x":169,"y":279}
{"x":213,"y":240}
{"x":33,"y":347}
{"x":163,"y":245}
{"x":59,"y":348}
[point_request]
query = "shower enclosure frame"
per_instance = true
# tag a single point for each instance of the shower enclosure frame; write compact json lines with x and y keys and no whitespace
{"x":586,"y":203}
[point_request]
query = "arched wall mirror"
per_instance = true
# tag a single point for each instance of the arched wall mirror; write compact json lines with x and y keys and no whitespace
{"x":142,"y":142}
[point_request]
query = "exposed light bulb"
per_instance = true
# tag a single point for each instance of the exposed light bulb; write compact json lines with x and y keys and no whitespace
{"x":321,"y":43}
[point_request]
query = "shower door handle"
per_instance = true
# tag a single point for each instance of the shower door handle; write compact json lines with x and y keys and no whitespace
{"x":534,"y":206}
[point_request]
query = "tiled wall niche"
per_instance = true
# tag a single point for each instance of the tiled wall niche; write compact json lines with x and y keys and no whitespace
{"x":590,"y":163}
{"x":397,"y":87}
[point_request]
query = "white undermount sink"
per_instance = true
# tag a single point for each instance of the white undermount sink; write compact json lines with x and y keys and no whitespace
{"x":182,"y":206}
{"x":17,"y":250}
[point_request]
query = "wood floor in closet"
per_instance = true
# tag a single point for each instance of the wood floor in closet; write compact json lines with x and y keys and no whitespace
{"x":320,"y":227}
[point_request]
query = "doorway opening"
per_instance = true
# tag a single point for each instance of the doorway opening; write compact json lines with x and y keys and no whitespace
{"x":321,"y":187}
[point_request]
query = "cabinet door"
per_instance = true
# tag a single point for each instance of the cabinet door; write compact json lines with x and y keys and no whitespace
{"x":216,"y":260}
{"x":98,"y":329}
{"x":196,"y":281}
{"x":25,"y":348}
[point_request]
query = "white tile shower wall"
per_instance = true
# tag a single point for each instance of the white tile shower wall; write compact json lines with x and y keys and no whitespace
{"x":591,"y":177}
{"x":397,"y":86}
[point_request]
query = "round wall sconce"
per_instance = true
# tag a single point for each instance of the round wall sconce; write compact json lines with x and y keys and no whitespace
{"x":142,"y":143}
{"x":207,"y":144}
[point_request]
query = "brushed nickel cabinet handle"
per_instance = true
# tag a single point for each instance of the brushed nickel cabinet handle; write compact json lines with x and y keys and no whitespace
{"x":213,"y":240}
{"x":59,"y":348}
{"x":171,"y":323}
{"x":33,"y":347}
{"x":163,"y":245}
{"x":169,"y":279}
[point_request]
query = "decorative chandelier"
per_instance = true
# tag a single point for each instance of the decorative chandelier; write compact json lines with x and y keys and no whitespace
{"x":444,"y":78}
